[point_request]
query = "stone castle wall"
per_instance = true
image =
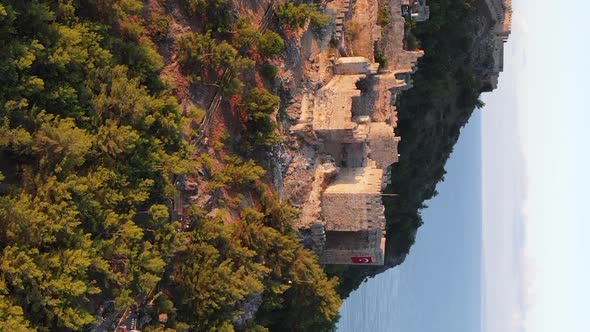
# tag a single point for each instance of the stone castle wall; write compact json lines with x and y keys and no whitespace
{"x":354,"y":248}
{"x":353,"y":118}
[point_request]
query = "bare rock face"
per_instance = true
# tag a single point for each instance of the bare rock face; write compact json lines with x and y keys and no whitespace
{"x":248,"y":308}
{"x":311,"y":192}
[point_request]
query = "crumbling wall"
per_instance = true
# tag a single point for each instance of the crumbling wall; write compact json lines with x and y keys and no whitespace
{"x":351,"y":211}
{"x":352,"y":202}
{"x":382,"y":144}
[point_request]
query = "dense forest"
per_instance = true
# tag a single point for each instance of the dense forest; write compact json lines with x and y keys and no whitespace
{"x":446,"y":90}
{"x":93,"y":142}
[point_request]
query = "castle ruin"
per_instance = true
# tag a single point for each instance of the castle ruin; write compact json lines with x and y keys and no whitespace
{"x":500,"y":11}
{"x":351,"y":119}
{"x":348,"y":120}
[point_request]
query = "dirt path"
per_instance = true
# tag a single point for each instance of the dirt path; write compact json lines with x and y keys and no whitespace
{"x":363,"y":26}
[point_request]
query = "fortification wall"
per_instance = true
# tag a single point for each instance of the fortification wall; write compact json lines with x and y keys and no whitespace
{"x":382,"y":144}
{"x":351,"y":66}
{"x":349,"y":212}
{"x":354,"y":117}
{"x":362,"y":247}
{"x":507,"y":25}
{"x":369,"y":256}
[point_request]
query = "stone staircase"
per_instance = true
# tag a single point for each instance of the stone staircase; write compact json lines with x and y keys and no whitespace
{"x":318,"y":236}
{"x":373,"y":68}
{"x":341,"y":18}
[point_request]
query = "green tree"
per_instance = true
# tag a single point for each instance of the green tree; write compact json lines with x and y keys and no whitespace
{"x":95,"y":144}
{"x":259,"y":104}
{"x":246,"y":34}
{"x":270,"y":44}
{"x":260,"y":100}
{"x":12,"y":316}
{"x":89,"y":144}
{"x":207,"y":59}
{"x":49,"y":282}
{"x":237,"y":172}
{"x":214,"y":274}
{"x":59,"y":144}
{"x":295,"y":17}
{"x":217,"y":13}
{"x":232,"y":84}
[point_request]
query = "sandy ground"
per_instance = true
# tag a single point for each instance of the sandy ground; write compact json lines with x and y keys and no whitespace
{"x":364,"y":16}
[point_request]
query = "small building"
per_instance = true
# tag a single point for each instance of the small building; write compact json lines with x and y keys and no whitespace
{"x":417,"y":9}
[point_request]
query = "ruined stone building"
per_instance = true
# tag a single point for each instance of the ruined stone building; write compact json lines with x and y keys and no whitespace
{"x":500,"y":11}
{"x":347,"y":125}
{"x":418,"y":9}
{"x":355,"y":127}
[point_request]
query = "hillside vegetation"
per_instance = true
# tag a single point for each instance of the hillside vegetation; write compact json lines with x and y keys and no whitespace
{"x":93,"y":143}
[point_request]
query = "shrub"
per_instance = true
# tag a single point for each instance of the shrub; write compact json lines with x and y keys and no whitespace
{"x":383,"y":16}
{"x":294,"y":17}
{"x":334,"y":41}
{"x":411,"y":41}
{"x":196,"y":113}
{"x":352,"y":31}
{"x":270,"y":44}
{"x":380,"y":57}
{"x":261,"y":127}
{"x":269,"y":71}
{"x":159,"y":27}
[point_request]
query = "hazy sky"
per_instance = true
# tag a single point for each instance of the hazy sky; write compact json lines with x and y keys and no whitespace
{"x":535,"y":178}
{"x":536,"y":253}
